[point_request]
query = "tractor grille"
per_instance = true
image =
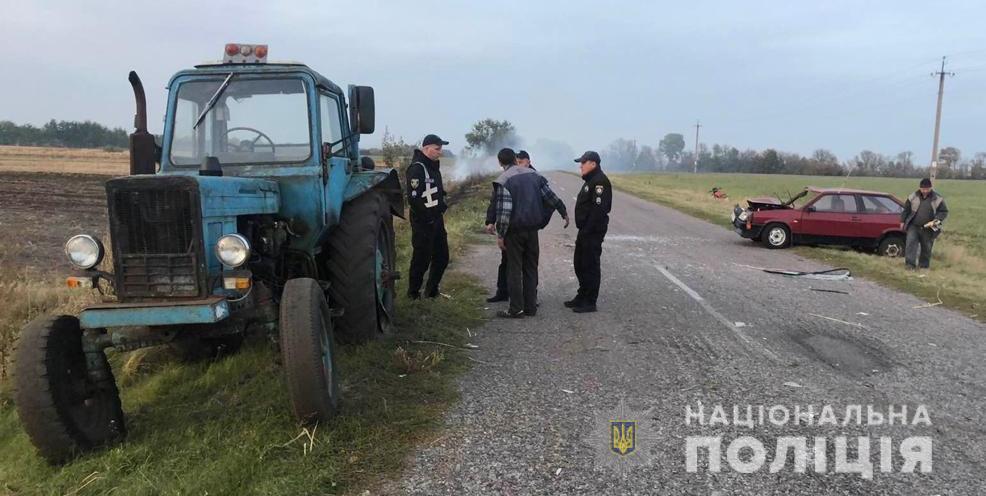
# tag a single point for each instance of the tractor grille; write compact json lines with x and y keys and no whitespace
{"x":156,"y":228}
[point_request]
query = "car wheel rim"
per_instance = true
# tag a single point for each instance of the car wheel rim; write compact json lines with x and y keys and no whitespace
{"x":777,"y":237}
{"x":893,"y":250}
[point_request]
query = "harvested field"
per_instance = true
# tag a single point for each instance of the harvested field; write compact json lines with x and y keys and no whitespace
{"x":64,"y":160}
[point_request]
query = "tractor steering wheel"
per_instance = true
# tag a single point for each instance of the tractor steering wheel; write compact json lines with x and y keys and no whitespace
{"x":254,"y":142}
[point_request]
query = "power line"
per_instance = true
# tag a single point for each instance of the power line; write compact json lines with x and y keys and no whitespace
{"x":941,"y":93}
{"x":695,"y":166}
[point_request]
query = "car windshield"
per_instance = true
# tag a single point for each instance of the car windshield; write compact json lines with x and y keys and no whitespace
{"x":253,"y":121}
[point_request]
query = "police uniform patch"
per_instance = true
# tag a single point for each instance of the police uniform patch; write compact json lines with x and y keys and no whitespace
{"x":598,"y":200}
{"x":414,"y":194}
{"x":414,"y":183}
{"x":586,"y":188}
{"x":599,"y":189}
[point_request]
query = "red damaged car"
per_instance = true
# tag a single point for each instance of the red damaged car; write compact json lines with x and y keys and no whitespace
{"x":830,"y":216}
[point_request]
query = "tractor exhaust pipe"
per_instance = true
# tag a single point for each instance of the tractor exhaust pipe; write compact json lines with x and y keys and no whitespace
{"x":144,"y":152}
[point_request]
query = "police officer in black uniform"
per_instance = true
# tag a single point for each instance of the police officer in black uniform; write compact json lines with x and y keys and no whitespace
{"x":592,"y":219}
{"x":426,"y":197}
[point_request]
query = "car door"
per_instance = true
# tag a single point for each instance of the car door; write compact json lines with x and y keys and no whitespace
{"x":831,"y":218}
{"x":879,"y":214}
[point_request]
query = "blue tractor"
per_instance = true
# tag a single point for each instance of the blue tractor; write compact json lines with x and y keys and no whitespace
{"x":255,"y":213}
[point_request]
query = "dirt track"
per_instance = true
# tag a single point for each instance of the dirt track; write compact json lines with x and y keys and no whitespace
{"x":39,"y":211}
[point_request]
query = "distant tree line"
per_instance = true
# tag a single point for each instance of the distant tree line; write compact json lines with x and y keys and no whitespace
{"x":670,"y":155}
{"x":69,"y":134}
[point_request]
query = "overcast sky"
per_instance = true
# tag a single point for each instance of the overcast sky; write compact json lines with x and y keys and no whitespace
{"x":794,"y":76}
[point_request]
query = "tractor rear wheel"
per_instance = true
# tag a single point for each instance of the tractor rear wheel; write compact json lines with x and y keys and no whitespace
{"x":307,"y":351}
{"x":64,"y":411}
{"x":362,"y":267}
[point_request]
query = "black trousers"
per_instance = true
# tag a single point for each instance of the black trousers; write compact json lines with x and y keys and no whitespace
{"x":918,"y":238}
{"x":588,"y":249}
{"x":522,"y":269}
{"x":501,"y":276}
{"x":430,"y":251}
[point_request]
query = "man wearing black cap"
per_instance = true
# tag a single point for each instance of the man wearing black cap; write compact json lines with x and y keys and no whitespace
{"x":592,"y":219}
{"x":426,"y":197}
{"x":524,"y":160}
{"x":922,"y":217}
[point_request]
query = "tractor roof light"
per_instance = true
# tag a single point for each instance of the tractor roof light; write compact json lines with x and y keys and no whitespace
{"x":240,"y":53}
{"x":84,"y":251}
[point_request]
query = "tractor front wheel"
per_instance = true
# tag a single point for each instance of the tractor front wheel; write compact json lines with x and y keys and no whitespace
{"x":362,"y":268}
{"x":64,"y":410}
{"x":307,"y":351}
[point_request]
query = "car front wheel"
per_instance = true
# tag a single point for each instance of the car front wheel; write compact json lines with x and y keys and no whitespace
{"x":776,"y":236}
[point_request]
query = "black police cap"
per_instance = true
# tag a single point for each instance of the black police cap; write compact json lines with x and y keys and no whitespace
{"x":433,"y":139}
{"x":589,"y":156}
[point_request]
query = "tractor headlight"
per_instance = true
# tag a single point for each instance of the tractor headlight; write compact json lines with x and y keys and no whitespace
{"x":84,"y":251}
{"x":233,"y":250}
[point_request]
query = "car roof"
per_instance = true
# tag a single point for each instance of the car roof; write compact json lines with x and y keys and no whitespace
{"x":847,"y":191}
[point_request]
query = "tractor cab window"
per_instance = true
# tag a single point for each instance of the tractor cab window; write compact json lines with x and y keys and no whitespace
{"x":331,"y":123}
{"x":836,"y":204}
{"x":252,"y":121}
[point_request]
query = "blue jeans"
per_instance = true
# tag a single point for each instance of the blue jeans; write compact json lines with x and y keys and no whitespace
{"x":918,"y":239}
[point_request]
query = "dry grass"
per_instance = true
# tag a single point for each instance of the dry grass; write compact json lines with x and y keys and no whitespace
{"x":64,"y":160}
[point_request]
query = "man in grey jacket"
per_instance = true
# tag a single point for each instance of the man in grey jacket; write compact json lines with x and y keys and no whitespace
{"x":922,"y":217}
{"x":523,"y":203}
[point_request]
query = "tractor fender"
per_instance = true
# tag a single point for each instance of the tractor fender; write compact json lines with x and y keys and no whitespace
{"x":386,"y":181}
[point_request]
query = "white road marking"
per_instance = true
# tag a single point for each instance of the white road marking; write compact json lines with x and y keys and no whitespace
{"x":715,"y":313}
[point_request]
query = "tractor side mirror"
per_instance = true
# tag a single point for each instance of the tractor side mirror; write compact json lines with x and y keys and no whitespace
{"x":362,"y":117}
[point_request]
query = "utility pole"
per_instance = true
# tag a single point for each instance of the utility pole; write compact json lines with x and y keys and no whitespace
{"x":695,"y":166}
{"x":933,"y":170}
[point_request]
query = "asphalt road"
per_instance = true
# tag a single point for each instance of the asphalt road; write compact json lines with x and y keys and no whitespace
{"x":686,"y":317}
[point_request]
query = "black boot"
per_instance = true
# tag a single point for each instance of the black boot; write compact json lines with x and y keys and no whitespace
{"x":498,"y":297}
{"x":585,"y":308}
{"x":574,"y":302}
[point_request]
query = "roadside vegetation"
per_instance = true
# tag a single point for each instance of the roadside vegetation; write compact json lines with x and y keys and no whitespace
{"x":224,"y":427}
{"x":958,"y":267}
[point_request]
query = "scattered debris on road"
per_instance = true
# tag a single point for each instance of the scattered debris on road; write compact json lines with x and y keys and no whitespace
{"x":821,"y":290}
{"x":793,"y":384}
{"x":935,"y":304}
{"x":854,"y":324}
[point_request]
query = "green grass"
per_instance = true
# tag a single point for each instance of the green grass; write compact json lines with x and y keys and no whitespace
{"x":958,"y":274}
{"x":224,"y":427}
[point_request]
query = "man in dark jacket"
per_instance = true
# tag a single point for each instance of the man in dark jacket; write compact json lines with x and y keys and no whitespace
{"x":922,"y":217}
{"x":592,"y":219}
{"x":502,"y":291}
{"x":426,"y":197}
{"x":523,"y":203}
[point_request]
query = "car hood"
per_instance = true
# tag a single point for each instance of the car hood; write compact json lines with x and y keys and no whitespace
{"x":766,"y":203}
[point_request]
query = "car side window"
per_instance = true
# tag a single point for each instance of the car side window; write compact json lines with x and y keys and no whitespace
{"x":331,"y":124}
{"x":880,"y":205}
{"x":836,"y":204}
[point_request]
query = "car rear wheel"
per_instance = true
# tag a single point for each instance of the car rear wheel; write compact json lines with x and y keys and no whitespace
{"x":891,"y":246}
{"x":776,"y":236}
